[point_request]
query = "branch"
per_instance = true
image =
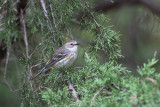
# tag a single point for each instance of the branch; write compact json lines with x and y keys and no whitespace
{"x":44,"y":9}
{"x":99,"y":27}
{"x":95,"y":96}
{"x":25,"y":33}
{"x":46,"y":15}
{"x":3,"y":4}
{"x":151,"y":80}
{"x":30,"y":71}
{"x":54,"y":21}
{"x":74,"y":93}
{"x":36,"y":48}
{"x":5,"y":72}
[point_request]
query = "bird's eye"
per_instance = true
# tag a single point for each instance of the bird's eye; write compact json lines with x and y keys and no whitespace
{"x":71,"y":44}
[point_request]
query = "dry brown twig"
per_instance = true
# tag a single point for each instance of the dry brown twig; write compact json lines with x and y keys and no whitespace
{"x":91,"y":103}
{"x":74,"y":93}
{"x":151,"y":80}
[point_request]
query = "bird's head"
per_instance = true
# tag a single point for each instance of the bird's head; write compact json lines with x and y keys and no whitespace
{"x":72,"y":45}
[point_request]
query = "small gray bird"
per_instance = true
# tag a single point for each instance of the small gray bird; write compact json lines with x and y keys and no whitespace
{"x":63,"y":57}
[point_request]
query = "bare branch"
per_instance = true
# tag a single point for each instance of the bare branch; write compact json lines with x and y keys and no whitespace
{"x":152,"y":80}
{"x":95,"y":96}
{"x":3,"y":4}
{"x":44,"y":9}
{"x":74,"y":93}
{"x":54,"y":21}
{"x":25,"y":34}
{"x":34,"y":66}
{"x":5,"y":72}
{"x":46,"y":15}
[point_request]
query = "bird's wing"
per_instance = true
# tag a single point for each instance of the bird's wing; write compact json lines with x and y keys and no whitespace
{"x":59,"y":54}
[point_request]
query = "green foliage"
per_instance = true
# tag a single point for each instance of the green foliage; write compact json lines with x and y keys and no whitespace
{"x":10,"y":30}
{"x":147,"y":70}
{"x":53,"y":98}
{"x":113,"y":88}
{"x":105,"y":38}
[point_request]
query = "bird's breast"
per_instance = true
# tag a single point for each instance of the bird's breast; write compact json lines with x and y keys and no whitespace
{"x":66,"y":61}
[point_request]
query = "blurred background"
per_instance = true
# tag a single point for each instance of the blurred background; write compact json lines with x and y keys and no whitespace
{"x":138,"y":23}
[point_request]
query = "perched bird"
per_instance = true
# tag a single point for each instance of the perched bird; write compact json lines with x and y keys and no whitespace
{"x":63,"y":57}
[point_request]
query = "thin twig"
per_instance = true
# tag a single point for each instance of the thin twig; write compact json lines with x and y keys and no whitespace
{"x":46,"y":15}
{"x":36,"y":49}
{"x":3,"y":4}
{"x":95,"y":96}
{"x":30,"y":71}
{"x":58,"y":78}
{"x":27,"y":48}
{"x":79,"y":67}
{"x":15,"y":3}
{"x":41,"y":25}
{"x":54,"y":21}
{"x":44,"y":9}
{"x":5,"y":72}
{"x":74,"y":93}
{"x":122,"y":89}
{"x":151,"y":80}
{"x":99,"y":27}
{"x":32,"y":83}
{"x":25,"y":34}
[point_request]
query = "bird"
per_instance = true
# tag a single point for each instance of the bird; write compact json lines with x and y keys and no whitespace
{"x":63,"y":57}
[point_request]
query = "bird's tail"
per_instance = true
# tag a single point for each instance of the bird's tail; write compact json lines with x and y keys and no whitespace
{"x":41,"y":71}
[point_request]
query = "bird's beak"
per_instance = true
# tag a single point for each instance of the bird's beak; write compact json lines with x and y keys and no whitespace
{"x":77,"y":44}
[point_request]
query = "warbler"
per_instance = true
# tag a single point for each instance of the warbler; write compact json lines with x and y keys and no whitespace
{"x":63,"y":57}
